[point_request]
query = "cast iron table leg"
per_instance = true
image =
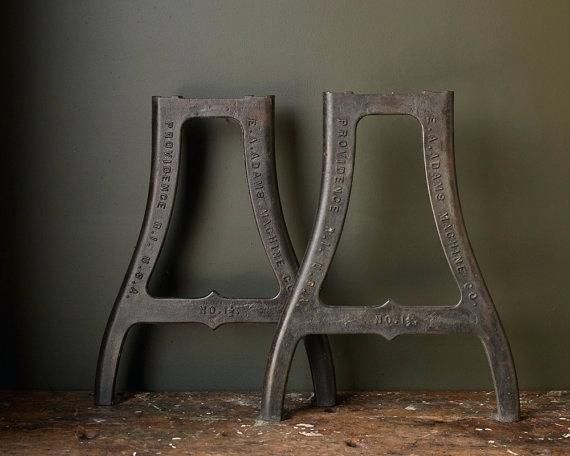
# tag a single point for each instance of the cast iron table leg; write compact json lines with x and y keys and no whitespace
{"x":135,"y":305}
{"x":473,"y":315}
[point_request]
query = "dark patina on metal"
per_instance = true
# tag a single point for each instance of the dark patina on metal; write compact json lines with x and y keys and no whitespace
{"x":134,"y":304}
{"x":473,"y":315}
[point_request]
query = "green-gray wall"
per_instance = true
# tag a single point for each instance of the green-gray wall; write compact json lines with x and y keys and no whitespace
{"x":77,"y":160}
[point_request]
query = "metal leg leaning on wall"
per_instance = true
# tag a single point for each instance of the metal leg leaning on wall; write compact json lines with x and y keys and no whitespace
{"x":475,"y":312}
{"x":135,"y":305}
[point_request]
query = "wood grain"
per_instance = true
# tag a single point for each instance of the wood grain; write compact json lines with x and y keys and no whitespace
{"x":378,"y":423}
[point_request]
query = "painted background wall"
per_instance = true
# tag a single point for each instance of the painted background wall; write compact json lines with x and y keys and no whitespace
{"x":76,"y":162}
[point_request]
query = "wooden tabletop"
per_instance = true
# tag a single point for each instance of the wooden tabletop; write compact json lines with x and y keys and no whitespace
{"x":378,"y":423}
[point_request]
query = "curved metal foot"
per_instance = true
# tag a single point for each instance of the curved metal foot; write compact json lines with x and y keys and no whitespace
{"x":322,"y":369}
{"x":108,"y":364}
{"x":504,"y":375}
{"x":276,"y":374}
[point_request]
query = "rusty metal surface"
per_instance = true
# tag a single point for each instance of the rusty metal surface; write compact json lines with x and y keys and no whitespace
{"x":473,"y":315}
{"x":134,"y":303}
{"x":198,"y":424}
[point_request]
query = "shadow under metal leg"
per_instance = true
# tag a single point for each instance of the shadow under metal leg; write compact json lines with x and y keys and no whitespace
{"x":135,"y":305}
{"x":474,"y":314}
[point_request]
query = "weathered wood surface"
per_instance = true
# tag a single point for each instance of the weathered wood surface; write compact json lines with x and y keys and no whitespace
{"x":383,"y":423}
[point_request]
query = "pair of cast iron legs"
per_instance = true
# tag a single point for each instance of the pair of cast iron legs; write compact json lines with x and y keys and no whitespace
{"x":297,"y":305}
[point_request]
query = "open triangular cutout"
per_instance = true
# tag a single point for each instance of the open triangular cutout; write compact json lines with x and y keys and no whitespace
{"x":389,"y":246}
{"x":213,"y":242}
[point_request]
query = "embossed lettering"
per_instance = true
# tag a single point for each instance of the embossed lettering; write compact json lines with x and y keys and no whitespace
{"x":454,"y":248}
{"x":406,"y":320}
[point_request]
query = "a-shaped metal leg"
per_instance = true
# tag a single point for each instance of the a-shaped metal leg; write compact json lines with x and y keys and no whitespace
{"x":474,"y":314}
{"x":135,"y":305}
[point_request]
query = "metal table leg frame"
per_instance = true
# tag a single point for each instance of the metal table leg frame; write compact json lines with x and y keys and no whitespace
{"x":474,"y":314}
{"x":135,"y":305}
